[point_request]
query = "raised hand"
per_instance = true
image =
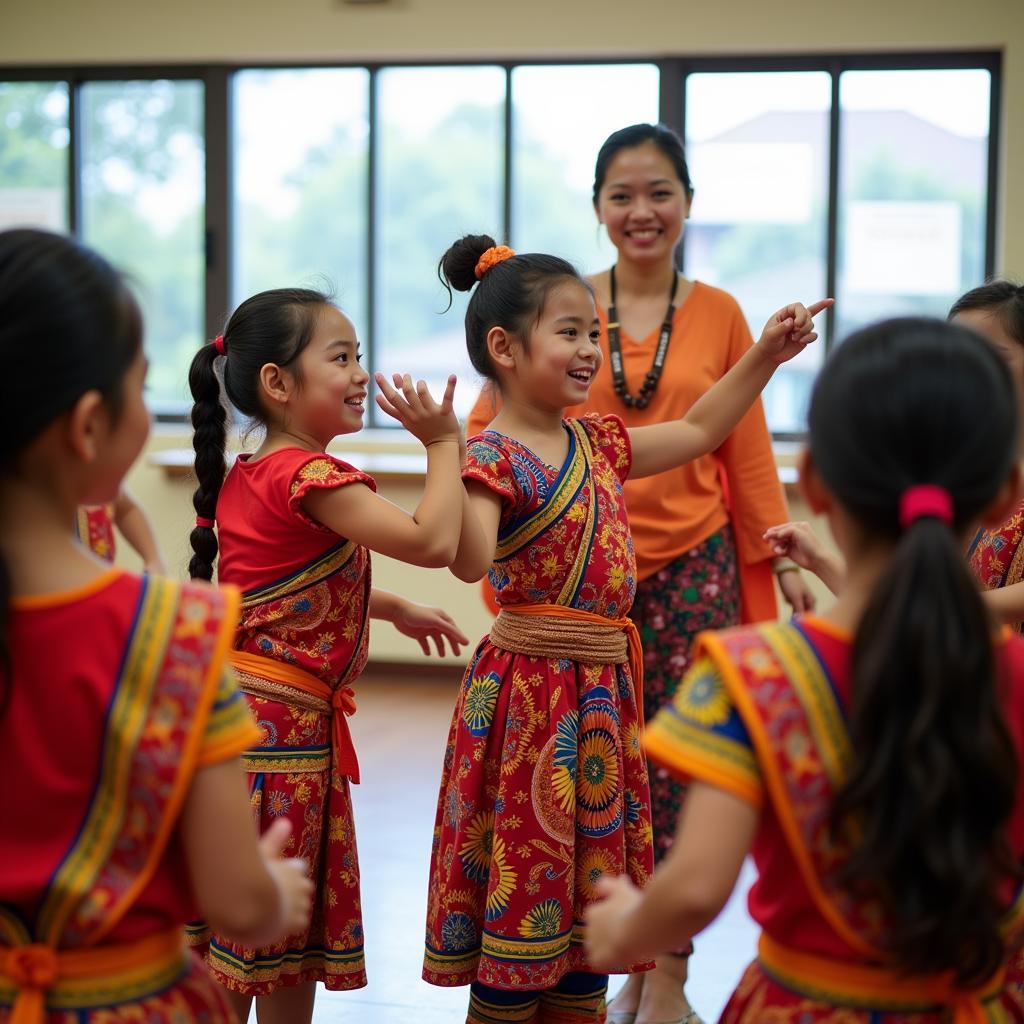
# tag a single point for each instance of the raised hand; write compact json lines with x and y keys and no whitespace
{"x":290,"y":874}
{"x":414,"y":407}
{"x":791,"y":329}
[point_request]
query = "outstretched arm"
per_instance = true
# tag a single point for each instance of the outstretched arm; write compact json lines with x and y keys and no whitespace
{"x":688,"y":890}
{"x":418,"y":621}
{"x":713,"y":416}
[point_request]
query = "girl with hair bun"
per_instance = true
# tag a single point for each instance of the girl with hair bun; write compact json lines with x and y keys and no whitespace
{"x":868,"y":758}
{"x":544,"y":787}
{"x":124,"y":805}
{"x":294,"y":531}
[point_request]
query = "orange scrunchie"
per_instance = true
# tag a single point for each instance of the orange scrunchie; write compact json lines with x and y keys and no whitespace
{"x":491,"y":258}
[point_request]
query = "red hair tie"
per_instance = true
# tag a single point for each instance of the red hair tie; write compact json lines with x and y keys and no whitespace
{"x":491,"y":258}
{"x":203,"y":521}
{"x":218,"y":344}
{"x":925,"y":501}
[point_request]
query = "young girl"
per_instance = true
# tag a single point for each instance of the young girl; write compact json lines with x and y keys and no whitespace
{"x":995,"y":554}
{"x":96,"y":530}
{"x":545,"y":788}
{"x":294,"y":526}
{"x":124,"y":806}
{"x":869,"y":758}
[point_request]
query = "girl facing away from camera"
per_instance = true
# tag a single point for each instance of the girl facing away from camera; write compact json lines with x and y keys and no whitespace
{"x":544,"y":787}
{"x":294,"y":527}
{"x":124,"y":805}
{"x":868,"y":758}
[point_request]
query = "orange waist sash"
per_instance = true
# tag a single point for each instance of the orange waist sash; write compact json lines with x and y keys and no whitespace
{"x":276,"y":680}
{"x":878,"y":988}
{"x":38,"y":975}
{"x":558,"y":631}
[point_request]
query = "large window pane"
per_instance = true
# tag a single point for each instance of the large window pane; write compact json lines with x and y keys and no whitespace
{"x":300,"y":183}
{"x":912,"y":191}
{"x":757,"y":148}
{"x":33,"y":155}
{"x":440,"y":175}
{"x":561,"y":115}
{"x":143,"y":197}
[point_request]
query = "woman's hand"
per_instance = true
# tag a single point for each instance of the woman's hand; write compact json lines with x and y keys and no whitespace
{"x":424,"y":624}
{"x":604,"y":920}
{"x":414,"y":407}
{"x":790,"y":330}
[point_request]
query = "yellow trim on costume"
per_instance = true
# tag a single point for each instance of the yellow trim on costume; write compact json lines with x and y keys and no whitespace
{"x":824,"y":715}
{"x":874,"y":988}
{"x":558,"y":501}
{"x":776,"y":787}
{"x":315,"y":572}
{"x":98,"y":976}
{"x":695,"y":753}
{"x":34,"y":602}
{"x":579,"y":565}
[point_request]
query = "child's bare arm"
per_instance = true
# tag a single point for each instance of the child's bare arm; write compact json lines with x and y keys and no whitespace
{"x":799,"y":542}
{"x":715,"y":414}
{"x":246,"y":888}
{"x":135,"y":527}
{"x":481,"y":514}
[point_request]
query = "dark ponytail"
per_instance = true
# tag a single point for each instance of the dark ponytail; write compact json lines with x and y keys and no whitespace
{"x":68,"y":325}
{"x":271,"y":327}
{"x":510,"y":295}
{"x":934,"y":779}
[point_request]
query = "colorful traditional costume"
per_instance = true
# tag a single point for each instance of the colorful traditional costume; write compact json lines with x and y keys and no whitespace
{"x":301,"y":641}
{"x":100,"y":748}
{"x":544,"y":787}
{"x":762,"y":715}
{"x":701,"y":560}
{"x":96,"y":529}
{"x":996,"y":556}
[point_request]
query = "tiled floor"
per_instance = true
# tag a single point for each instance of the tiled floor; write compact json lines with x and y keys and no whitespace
{"x":400,"y":733}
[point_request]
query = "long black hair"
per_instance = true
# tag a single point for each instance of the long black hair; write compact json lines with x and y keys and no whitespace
{"x":510,"y":295}
{"x":68,"y":325}
{"x":271,"y":327}
{"x":934,"y":779}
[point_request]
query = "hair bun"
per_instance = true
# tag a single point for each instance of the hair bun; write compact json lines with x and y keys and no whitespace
{"x":458,"y":264}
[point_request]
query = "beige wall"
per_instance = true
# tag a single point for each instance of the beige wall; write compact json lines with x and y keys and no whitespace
{"x":58,"y":32}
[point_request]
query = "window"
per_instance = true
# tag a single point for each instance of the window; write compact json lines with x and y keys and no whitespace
{"x":868,"y":178}
{"x":913,"y":178}
{"x":142,"y":206}
{"x":560,"y":116}
{"x":440,"y":175}
{"x":33,"y":155}
{"x":757,"y":148}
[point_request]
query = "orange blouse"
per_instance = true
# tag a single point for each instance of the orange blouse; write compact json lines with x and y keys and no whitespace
{"x":674,"y":511}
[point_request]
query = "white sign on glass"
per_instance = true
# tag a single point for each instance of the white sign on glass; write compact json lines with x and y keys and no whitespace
{"x":32,"y":208}
{"x":902,"y":248}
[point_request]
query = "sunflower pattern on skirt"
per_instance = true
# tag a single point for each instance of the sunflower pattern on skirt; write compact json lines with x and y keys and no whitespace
{"x":545,"y":785}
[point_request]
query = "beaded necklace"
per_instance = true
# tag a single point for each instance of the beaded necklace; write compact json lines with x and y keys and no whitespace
{"x":653,"y":375}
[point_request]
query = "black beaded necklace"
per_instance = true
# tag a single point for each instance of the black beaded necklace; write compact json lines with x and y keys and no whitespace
{"x":653,"y":375}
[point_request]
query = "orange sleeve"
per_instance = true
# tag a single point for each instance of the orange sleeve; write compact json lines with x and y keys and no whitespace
{"x":485,"y":408}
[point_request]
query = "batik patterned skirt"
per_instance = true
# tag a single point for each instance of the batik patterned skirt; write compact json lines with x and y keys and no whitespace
{"x":290,"y":777}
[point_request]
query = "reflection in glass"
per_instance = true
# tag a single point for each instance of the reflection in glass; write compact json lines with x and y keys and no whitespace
{"x":300,"y":183}
{"x":143,"y":196}
{"x":912,"y":191}
{"x":561,"y":115}
{"x":33,"y":155}
{"x":757,"y":149}
{"x":440,"y":175}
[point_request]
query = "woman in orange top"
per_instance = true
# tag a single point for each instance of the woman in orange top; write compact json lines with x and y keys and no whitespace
{"x":701,"y":560}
